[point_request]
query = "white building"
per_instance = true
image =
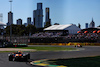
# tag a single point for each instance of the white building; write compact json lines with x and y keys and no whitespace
{"x":69,"y":28}
{"x":2,"y":25}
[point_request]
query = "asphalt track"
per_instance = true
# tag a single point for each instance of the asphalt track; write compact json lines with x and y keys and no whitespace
{"x":86,"y":51}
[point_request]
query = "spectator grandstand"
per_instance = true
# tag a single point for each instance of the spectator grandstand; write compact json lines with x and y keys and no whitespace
{"x":47,"y":34}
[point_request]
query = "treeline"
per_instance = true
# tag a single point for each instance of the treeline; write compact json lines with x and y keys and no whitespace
{"x":21,"y":30}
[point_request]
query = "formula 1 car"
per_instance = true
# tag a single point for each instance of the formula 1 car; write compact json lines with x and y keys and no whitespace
{"x":19,"y":56}
{"x":78,"y":45}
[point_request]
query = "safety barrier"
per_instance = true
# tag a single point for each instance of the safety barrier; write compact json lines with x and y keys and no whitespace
{"x":67,"y":44}
{"x":84,"y":44}
{"x":19,"y":45}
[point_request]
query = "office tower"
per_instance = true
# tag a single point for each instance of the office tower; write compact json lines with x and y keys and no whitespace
{"x":47,"y":18}
{"x":39,"y":6}
{"x":19,"y":22}
{"x":34,"y":17}
{"x":10,"y":18}
{"x":38,"y":16}
{"x":32,"y":23}
{"x":25,"y":24}
{"x":29,"y":20}
{"x":92,"y":24}
{"x":86,"y":25}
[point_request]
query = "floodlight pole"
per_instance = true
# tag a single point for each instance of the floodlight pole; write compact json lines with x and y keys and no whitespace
{"x":10,"y":5}
{"x":11,"y":21}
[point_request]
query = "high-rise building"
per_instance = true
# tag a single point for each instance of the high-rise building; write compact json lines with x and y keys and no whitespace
{"x":47,"y":18}
{"x":10,"y":18}
{"x":92,"y":24}
{"x":38,"y":16}
{"x":19,"y":22}
{"x":32,"y":23}
{"x":29,"y":20}
{"x":39,"y":6}
{"x":25,"y":24}
{"x":47,"y":15}
{"x":86,"y":25}
{"x":34,"y":17}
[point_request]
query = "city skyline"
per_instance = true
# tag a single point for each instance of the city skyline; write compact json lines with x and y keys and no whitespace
{"x":61,"y":11}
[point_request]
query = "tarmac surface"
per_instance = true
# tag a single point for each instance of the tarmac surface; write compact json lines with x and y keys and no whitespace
{"x":85,"y":51}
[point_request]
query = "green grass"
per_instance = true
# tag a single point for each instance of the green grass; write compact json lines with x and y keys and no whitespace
{"x":48,"y":48}
{"x":77,"y":62}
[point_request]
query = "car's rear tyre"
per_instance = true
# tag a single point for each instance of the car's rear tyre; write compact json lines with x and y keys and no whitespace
{"x":26,"y":58}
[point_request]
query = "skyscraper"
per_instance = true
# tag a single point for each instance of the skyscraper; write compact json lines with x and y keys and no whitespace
{"x":19,"y":22}
{"x":10,"y":18}
{"x":47,"y":19}
{"x":86,"y":25}
{"x":38,"y":16}
{"x":29,"y":20}
{"x":39,"y":6}
{"x":92,"y":24}
{"x":25,"y":24}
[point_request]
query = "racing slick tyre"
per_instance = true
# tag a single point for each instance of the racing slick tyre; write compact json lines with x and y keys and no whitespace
{"x":28,"y":56}
{"x":11,"y":58}
{"x":80,"y":45}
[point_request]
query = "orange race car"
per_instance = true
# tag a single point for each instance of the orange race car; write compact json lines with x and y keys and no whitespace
{"x":78,"y":45}
{"x":19,"y":56}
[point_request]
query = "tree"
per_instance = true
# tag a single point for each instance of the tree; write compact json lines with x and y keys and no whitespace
{"x":7,"y":29}
{"x":30,"y":29}
{"x":47,"y":24}
{"x":99,"y":26}
{"x":56,"y":23}
{"x":16,"y":30}
{"x":79,"y":25}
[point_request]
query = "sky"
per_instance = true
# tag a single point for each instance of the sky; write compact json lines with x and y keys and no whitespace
{"x":61,"y":11}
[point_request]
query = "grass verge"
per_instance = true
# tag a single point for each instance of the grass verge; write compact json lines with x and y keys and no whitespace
{"x":48,"y":48}
{"x":6,"y":51}
{"x":77,"y":62}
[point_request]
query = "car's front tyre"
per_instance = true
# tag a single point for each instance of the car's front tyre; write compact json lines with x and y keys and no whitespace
{"x":10,"y":57}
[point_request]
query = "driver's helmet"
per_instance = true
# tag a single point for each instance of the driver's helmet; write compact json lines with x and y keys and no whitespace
{"x":19,"y":51}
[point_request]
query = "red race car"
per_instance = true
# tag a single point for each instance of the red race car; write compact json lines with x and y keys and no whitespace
{"x":19,"y":56}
